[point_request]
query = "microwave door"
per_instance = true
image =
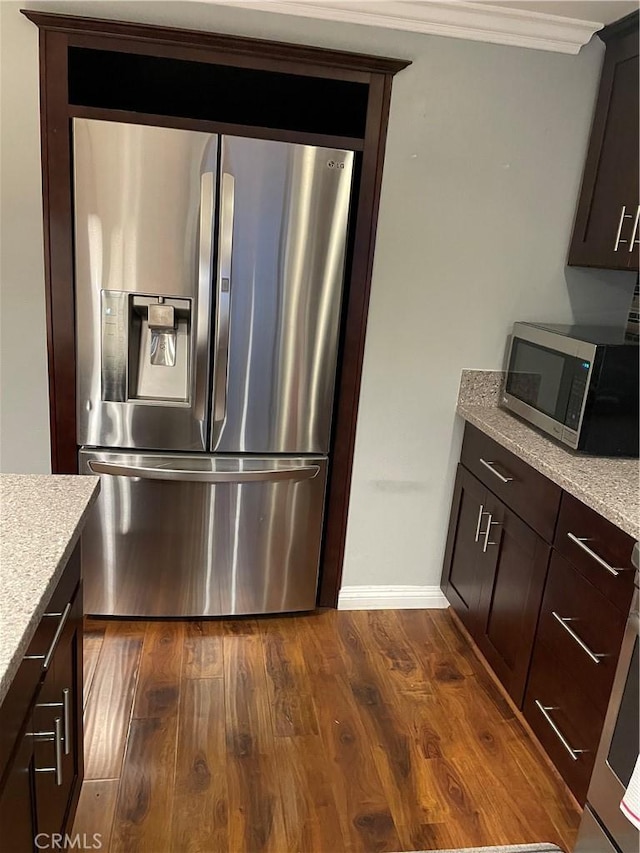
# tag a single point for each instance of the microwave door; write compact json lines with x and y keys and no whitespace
{"x":547,"y":387}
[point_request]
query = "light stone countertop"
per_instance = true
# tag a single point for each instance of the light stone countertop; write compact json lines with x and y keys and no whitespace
{"x":41,"y":519}
{"x":611,"y":487}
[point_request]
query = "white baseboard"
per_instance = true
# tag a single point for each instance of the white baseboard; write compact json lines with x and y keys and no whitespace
{"x":391,"y":598}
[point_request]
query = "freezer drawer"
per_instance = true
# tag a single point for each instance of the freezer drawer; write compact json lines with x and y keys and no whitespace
{"x":197,"y":535}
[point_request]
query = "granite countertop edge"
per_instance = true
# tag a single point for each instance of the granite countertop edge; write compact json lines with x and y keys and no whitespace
{"x":560,"y":475}
{"x":7,"y":676}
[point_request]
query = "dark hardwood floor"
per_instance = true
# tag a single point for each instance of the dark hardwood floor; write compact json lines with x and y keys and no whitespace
{"x":339,"y":731}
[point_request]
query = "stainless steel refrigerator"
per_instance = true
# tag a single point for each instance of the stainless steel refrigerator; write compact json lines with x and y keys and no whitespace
{"x":208,"y":279}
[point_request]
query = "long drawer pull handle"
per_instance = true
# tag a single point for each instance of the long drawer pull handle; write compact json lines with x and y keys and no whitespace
{"x":544,"y":710}
{"x":585,"y":648}
{"x":481,"y":512}
{"x":489,"y":466}
{"x":56,"y":638}
{"x":580,"y":542}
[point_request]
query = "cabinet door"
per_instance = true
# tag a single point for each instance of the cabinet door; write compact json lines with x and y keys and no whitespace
{"x":17,"y":823}
{"x":606,"y":227}
{"x":464,"y":558}
{"x":58,"y":757}
{"x":511,"y":594}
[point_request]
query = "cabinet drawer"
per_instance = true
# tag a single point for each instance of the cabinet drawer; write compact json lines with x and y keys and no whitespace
{"x":598,"y":549}
{"x":527,"y":492}
{"x":30,"y":674}
{"x":571,"y":729}
{"x":594,"y":629}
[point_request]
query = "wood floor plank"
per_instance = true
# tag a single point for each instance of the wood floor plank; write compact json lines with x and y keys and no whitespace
{"x":393,"y":656}
{"x":256,"y":821}
{"x":365,"y":817}
{"x":144,"y":808}
{"x":158,"y":691}
{"x":323,"y":653}
{"x":200,"y":797}
{"x":106,"y":718}
{"x":292,"y":708}
{"x":93,"y":636}
{"x":310,"y":812}
{"x":95,"y":813}
{"x":202,"y":656}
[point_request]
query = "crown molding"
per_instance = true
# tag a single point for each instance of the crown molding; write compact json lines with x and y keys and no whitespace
{"x":452,"y":18}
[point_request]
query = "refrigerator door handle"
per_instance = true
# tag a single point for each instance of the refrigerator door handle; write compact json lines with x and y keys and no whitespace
{"x":205,"y":277}
{"x":307,"y":472}
{"x":223,"y":306}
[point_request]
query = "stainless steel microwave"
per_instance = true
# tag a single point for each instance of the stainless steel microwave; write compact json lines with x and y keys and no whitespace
{"x":577,"y":383}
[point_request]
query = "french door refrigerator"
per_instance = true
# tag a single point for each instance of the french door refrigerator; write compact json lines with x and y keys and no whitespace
{"x":208,"y":280}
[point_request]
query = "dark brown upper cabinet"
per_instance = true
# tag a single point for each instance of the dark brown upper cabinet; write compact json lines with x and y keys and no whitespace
{"x":120,"y":71}
{"x":606,"y":232}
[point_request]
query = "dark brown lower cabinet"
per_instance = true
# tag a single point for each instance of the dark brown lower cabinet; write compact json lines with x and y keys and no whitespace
{"x":57,"y":751}
{"x":510,"y":595}
{"x":496,"y":571}
{"x":564,"y":719}
{"x":464,"y":556}
{"x":41,"y":765}
{"x":543,"y":584}
{"x":17,"y":818}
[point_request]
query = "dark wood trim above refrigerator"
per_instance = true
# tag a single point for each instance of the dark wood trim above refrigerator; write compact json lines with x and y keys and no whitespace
{"x":57,"y":34}
{"x":255,"y":53}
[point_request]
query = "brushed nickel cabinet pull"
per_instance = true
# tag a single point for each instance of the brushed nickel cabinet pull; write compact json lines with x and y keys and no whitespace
{"x":634,"y":234}
{"x":489,"y":466}
{"x":623,"y":215}
{"x":490,"y":523}
{"x":57,"y":737}
{"x":481,"y":512}
{"x":562,"y":620}
{"x":66,"y":708}
{"x":46,"y":658}
{"x":580,"y":542}
{"x":544,"y":710}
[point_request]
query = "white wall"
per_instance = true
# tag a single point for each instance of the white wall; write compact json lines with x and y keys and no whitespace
{"x":24,"y":396}
{"x":484,"y":157}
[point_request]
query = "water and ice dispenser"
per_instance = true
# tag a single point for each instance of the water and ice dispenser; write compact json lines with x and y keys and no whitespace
{"x":146,"y":348}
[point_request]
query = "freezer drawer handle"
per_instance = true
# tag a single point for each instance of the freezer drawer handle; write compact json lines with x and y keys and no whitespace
{"x":306,"y":472}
